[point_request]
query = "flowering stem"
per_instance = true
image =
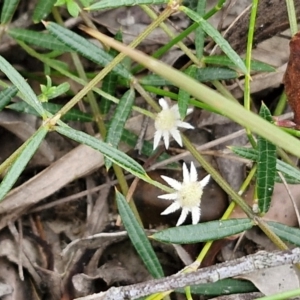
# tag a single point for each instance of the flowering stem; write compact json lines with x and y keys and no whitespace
{"x":218,"y":178}
{"x":235,"y":197}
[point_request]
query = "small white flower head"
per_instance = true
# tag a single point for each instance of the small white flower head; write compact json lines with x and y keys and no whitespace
{"x":187,"y":194}
{"x":166,"y":123}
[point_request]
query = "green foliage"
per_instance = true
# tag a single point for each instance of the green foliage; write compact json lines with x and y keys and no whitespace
{"x":158,"y":80}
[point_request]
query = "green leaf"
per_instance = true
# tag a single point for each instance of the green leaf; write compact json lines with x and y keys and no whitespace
{"x":266,"y":167}
{"x":118,"y":121}
{"x":281,"y":166}
{"x":216,"y":73}
{"x":109,"y":83}
{"x":6,"y":96}
{"x":183,"y":96}
{"x":222,"y":287}
{"x":154,"y":80}
{"x":72,"y":115}
{"x":8,"y":10}
{"x":42,"y":10}
{"x":248,"y":153}
{"x":73,"y":8}
{"x":287,"y":178}
{"x":85,"y":48}
{"x":223,"y":60}
{"x":217,"y":37}
{"x":113,"y":4}
{"x":21,"y":161}
{"x":21,"y":84}
{"x":138,"y":238}
{"x":289,"y":234}
{"x":40,"y":39}
{"x":117,"y":156}
{"x":203,"y":232}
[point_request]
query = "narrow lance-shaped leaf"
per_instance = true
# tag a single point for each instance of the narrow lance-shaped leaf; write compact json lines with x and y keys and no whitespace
{"x":72,"y":115}
{"x":289,"y":234}
{"x":203,"y":232}
{"x":21,"y":84}
{"x":110,"y":81}
{"x":118,"y":121}
{"x":21,"y":161}
{"x":138,"y":238}
{"x":42,"y":10}
{"x":281,"y":166}
{"x":8,"y":10}
{"x":215,"y":73}
{"x":113,"y":4}
{"x":85,"y":48}
{"x":217,"y":37}
{"x":6,"y":96}
{"x":117,"y":156}
{"x":266,"y":167}
{"x":223,"y":60}
{"x":40,"y":39}
{"x":183,"y":96}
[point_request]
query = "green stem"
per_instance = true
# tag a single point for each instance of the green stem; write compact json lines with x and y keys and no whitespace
{"x":292,"y":16}
{"x":247,"y":100}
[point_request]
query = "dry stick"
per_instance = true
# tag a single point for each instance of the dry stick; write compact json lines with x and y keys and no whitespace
{"x":244,"y":265}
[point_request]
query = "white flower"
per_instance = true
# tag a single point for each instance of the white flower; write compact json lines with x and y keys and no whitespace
{"x":187,"y":196}
{"x":166,"y":123}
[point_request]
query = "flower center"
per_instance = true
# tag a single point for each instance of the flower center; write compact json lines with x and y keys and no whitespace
{"x":165,"y":120}
{"x":190,"y":194}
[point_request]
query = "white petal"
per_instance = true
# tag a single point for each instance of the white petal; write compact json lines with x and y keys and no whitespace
{"x":193,"y":173}
{"x":172,"y":182}
{"x":166,"y":136}
{"x":189,"y":110}
{"x":186,"y":174}
{"x":163,"y":103}
{"x":173,"y":207}
{"x":205,"y":181}
{"x":182,"y":216}
{"x":196,"y":212}
{"x":175,"y":110}
{"x":176,"y":135}
{"x":173,"y":196}
{"x":157,"y":137}
{"x":184,"y":125}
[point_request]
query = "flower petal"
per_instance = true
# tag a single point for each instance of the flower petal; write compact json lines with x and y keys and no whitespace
{"x":186,"y":174}
{"x":184,"y":125}
{"x":168,"y":196}
{"x":175,"y":110}
{"x":196,"y":212}
{"x":166,"y":136}
{"x":176,"y":135}
{"x":205,"y":181}
{"x":163,"y":103}
{"x":173,"y":207}
{"x":189,"y":110}
{"x":172,"y":182}
{"x":193,"y":173}
{"x":157,"y":138}
{"x":182,"y":216}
